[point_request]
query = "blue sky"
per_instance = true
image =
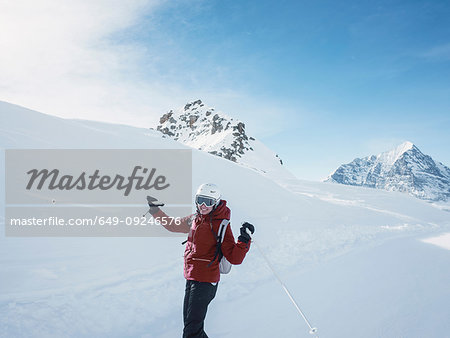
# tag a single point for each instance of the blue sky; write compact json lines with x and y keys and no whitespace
{"x":319,"y":82}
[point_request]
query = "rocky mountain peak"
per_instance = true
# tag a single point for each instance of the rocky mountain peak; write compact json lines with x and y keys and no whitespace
{"x":202,"y":127}
{"x":404,"y":168}
{"x":195,"y":122}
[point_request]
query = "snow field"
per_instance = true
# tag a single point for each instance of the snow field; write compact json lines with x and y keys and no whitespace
{"x":351,"y":256}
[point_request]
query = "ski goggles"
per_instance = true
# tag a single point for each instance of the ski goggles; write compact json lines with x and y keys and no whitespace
{"x":207,"y":201}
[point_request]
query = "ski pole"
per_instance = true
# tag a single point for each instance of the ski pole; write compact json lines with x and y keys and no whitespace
{"x":312,"y":330}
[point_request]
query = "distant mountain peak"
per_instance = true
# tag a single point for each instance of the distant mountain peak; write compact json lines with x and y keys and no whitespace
{"x":202,"y":127}
{"x":403,"y":147}
{"x":389,"y":157}
{"x":404,"y":168}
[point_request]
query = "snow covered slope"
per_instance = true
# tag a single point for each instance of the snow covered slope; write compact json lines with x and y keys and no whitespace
{"x":404,"y":169}
{"x":351,"y":256}
{"x":203,"y":128}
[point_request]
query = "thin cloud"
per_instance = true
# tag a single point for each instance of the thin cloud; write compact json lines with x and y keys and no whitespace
{"x":59,"y":57}
{"x":438,"y":53}
{"x":81,"y":59}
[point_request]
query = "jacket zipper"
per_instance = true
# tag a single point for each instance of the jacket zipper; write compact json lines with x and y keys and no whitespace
{"x":195,"y":231}
{"x":200,"y":259}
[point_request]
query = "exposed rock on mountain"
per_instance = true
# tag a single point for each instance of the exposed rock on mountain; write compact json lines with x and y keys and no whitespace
{"x":202,"y":127}
{"x":404,"y":169}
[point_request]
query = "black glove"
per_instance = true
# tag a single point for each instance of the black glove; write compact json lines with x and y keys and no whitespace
{"x":154,"y":207}
{"x":245,"y":237}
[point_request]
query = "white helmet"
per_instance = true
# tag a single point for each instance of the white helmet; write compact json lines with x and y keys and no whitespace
{"x":208,"y":190}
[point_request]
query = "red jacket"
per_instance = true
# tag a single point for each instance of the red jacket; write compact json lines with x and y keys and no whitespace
{"x":201,"y":244}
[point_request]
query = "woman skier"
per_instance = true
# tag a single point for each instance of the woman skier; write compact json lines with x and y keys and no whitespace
{"x":203,"y":252}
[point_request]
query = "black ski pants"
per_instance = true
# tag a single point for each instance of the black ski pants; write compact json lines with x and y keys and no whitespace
{"x":197,"y":297}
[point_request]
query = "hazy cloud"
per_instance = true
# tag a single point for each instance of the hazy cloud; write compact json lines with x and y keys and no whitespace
{"x":438,"y":53}
{"x":60,"y":57}
{"x":81,"y":59}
